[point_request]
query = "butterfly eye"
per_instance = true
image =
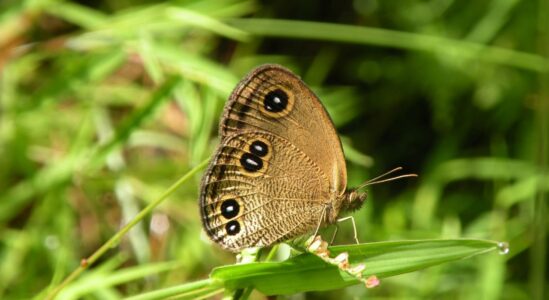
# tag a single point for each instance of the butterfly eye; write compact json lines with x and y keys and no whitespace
{"x":251,"y":163}
{"x":259,"y":148}
{"x":232,"y":228}
{"x":275,"y":101}
{"x":230,"y":208}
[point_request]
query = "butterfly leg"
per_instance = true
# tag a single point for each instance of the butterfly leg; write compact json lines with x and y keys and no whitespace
{"x":354,"y":226}
{"x":322,"y":215}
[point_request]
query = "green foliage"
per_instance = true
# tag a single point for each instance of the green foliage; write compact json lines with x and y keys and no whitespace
{"x":105,"y":104}
{"x":307,"y":272}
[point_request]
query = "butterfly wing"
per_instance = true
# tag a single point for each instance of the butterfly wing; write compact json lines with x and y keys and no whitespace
{"x":278,"y":166}
{"x":249,"y":200}
{"x":297,"y":115}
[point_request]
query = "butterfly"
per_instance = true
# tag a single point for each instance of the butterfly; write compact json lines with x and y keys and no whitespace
{"x":279,"y":170}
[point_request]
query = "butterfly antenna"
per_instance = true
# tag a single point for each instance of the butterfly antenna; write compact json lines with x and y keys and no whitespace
{"x":377,"y":180}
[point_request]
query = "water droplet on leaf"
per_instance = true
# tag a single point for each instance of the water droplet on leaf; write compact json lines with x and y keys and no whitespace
{"x":503,"y":248}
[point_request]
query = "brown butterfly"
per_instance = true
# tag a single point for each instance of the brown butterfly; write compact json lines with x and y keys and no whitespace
{"x":279,"y":170}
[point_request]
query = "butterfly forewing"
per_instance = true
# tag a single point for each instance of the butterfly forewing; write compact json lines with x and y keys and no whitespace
{"x":273,"y":99}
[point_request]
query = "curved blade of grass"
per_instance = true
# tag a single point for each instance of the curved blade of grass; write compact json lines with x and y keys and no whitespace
{"x":80,"y":15}
{"x":390,"y":38}
{"x":116,"y":238}
{"x":199,"y":20}
{"x":523,"y":190}
{"x":101,"y":279}
{"x":192,"y":290}
{"x":307,"y":272}
{"x":196,"y":68}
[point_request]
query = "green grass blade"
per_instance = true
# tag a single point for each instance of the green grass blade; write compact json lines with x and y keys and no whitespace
{"x":115,"y":239}
{"x":101,"y":279}
{"x":389,"y":38}
{"x":196,"y":68}
{"x":191,"y":290}
{"x":195,"y":19}
{"x":307,"y":272}
{"x":137,"y":119}
{"x":77,"y":14}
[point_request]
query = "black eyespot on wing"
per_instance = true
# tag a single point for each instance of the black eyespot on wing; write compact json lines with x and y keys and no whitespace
{"x":275,"y":101}
{"x":259,"y":148}
{"x":230,"y":208}
{"x":232,"y":228}
{"x":251,"y":162}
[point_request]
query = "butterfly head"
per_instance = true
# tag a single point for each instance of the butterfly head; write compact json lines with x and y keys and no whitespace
{"x":353,"y":199}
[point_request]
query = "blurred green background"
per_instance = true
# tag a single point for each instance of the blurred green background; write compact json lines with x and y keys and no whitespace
{"x":104,"y":104}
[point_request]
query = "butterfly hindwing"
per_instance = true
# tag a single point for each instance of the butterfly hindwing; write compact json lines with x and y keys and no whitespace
{"x":259,"y":190}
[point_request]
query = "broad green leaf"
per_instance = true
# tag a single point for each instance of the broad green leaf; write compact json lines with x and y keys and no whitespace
{"x":307,"y":272}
